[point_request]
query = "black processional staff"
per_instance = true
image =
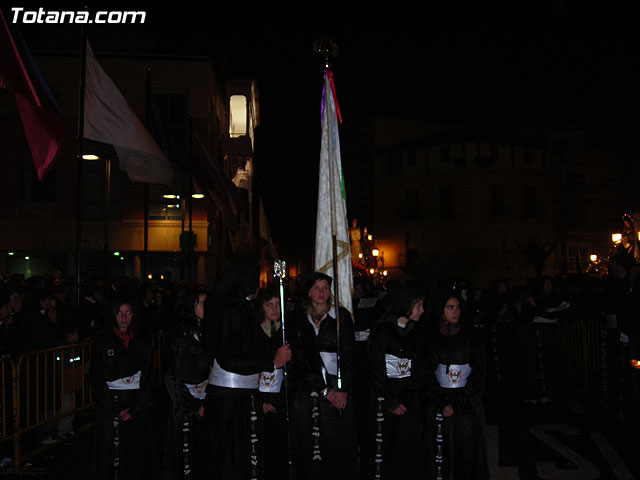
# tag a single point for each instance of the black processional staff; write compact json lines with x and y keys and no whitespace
{"x":279,"y":268}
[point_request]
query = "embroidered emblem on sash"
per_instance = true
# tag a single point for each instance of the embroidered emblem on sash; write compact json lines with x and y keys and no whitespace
{"x":455,"y":375}
{"x":404,"y":366}
{"x":268,"y":378}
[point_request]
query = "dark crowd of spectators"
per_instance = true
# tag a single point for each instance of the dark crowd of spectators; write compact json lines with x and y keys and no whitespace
{"x":43,"y":312}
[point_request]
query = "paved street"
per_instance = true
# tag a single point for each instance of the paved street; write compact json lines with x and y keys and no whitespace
{"x":569,"y":439}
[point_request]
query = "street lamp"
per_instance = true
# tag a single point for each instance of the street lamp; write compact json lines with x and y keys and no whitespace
{"x":616,"y":237}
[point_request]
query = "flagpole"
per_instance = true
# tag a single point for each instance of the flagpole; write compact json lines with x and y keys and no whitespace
{"x":107,"y":201}
{"x":190,"y":246}
{"x":145,"y":257}
{"x":334,"y":244}
{"x":336,"y":289}
{"x":80,"y":147}
{"x":326,"y":48}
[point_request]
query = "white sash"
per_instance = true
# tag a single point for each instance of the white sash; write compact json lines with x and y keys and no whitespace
{"x":126,"y":383}
{"x":397,"y":367}
{"x":538,"y":319}
{"x":330,"y":360}
{"x":197,"y":390}
{"x":362,"y":335}
{"x":271,"y":382}
{"x":456,"y":377}
{"x":221,"y":378}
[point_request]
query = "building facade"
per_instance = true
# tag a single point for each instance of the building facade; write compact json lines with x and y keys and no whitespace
{"x":454,"y":202}
{"x":131,"y":228}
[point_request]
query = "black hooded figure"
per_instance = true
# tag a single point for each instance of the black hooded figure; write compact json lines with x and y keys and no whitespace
{"x":121,"y":382}
{"x":232,"y":403}
{"x":455,"y":380}
{"x":323,"y":416}
{"x":396,"y":359}
{"x":186,"y":380}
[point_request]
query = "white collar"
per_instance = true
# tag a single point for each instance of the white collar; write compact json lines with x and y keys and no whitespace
{"x":316,"y":328}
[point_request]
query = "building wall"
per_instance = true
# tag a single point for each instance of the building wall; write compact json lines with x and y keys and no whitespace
{"x":456,"y":203}
{"x":45,"y":227}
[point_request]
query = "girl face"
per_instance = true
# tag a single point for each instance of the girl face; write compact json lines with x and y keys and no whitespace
{"x":417,"y":311}
{"x":198,"y":308}
{"x":451,"y":311}
{"x":124,"y":317}
{"x":320,"y":293}
{"x":271,"y":309}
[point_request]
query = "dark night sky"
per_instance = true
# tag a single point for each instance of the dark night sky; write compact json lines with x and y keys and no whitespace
{"x":557,"y":61}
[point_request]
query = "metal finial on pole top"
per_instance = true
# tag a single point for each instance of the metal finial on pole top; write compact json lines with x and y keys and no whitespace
{"x":326,"y":48}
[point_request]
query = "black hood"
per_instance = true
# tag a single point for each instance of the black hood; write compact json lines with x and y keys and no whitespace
{"x":400,"y":300}
{"x":240,"y":280}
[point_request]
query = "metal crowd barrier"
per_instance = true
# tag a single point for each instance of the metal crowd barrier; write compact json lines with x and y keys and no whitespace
{"x":46,"y":386}
{"x":582,"y":341}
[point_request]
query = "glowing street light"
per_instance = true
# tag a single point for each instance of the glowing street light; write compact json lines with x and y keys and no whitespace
{"x":616,"y":237}
{"x":593,"y":257}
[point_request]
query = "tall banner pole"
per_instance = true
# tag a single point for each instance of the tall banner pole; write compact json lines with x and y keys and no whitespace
{"x":332,"y":241}
{"x":336,"y":289}
{"x":79,"y":153}
{"x":279,"y":269}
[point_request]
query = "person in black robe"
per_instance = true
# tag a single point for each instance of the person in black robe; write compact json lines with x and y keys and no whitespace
{"x":232,"y":401}
{"x":121,"y":381}
{"x":455,"y":382}
{"x":545,"y":357}
{"x":367,"y":310}
{"x":272,"y":388}
{"x":324,"y":425}
{"x":186,"y":381}
{"x":396,"y":356}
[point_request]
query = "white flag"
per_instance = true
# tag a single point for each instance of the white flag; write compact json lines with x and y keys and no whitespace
{"x":332,"y":204}
{"x":108,"y":118}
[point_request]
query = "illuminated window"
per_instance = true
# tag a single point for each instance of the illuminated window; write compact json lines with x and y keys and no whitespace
{"x":237,"y":116}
